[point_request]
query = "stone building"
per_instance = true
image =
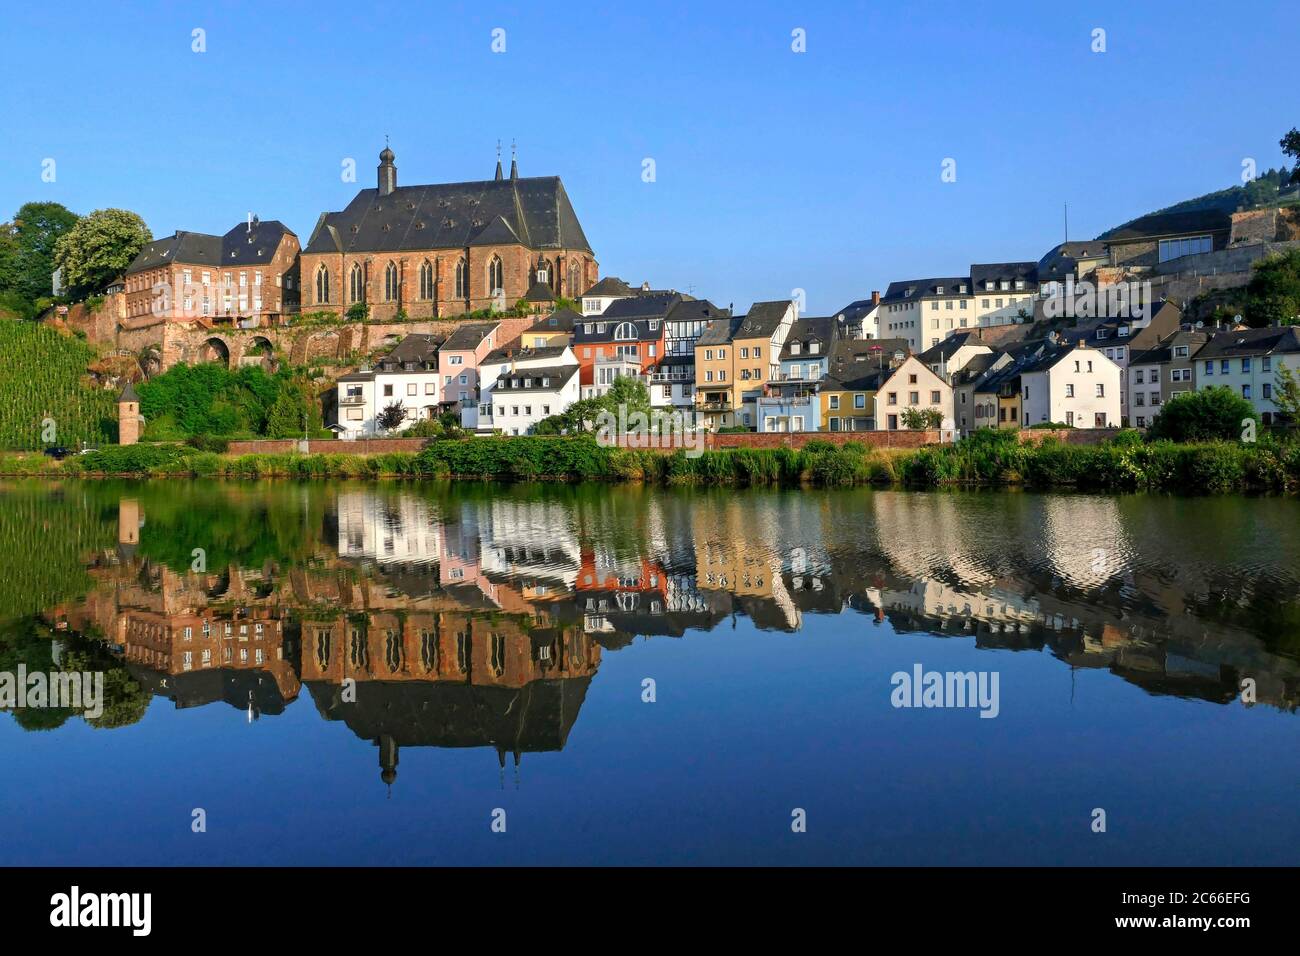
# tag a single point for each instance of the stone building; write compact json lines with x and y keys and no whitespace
{"x":248,"y":277}
{"x":446,"y":249}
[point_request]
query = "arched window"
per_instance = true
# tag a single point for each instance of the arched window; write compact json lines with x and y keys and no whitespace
{"x":625,"y":332}
{"x":462,"y":279}
{"x":390,"y":282}
{"x":574,"y":274}
{"x":545,"y":275}
{"x":426,"y":280}
{"x":495,"y":276}
{"x":357,"y":284}
{"x":322,"y":284}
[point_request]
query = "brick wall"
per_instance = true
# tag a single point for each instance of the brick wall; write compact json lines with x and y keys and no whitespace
{"x":366,"y":446}
{"x":1068,"y":436}
{"x":873,"y":439}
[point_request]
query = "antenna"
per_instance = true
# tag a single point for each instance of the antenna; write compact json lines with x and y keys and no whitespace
{"x":1067,"y":222}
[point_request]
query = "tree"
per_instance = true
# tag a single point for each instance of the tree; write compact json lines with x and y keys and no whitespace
{"x":1215,"y":414}
{"x":629,"y":395}
{"x":358,"y":312}
{"x":1286,"y":393}
{"x":1273,"y":294}
{"x":919,"y":419}
{"x":1290,"y":144}
{"x":36,"y":227}
{"x":391,"y":417}
{"x":98,"y":249}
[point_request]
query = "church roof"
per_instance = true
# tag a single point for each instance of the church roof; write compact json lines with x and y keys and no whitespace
{"x":533,"y":211}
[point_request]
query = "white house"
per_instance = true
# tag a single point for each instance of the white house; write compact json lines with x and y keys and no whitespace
{"x":505,"y":361}
{"x":1247,"y":360}
{"x":1075,"y":385}
{"x":911,"y":385}
{"x":522,"y":397}
{"x":406,"y":376}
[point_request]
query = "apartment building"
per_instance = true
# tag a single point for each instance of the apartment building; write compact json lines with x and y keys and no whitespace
{"x":512,"y":363}
{"x":1004,"y":292}
{"x":672,"y":382}
{"x":925,"y":311}
{"x":735,"y":359}
{"x":1157,"y":374}
{"x":1246,"y":361}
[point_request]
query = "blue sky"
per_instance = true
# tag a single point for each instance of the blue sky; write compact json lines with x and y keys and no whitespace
{"x":775,"y":170}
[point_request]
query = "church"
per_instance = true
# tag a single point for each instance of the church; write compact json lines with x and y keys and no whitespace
{"x":447,"y":249}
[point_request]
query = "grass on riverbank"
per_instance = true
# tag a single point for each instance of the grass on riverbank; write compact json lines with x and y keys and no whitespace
{"x":986,"y":458}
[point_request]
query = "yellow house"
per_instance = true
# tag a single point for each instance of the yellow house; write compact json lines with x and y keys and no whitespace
{"x":551,"y":331}
{"x":853,"y":375}
{"x":735,"y":358}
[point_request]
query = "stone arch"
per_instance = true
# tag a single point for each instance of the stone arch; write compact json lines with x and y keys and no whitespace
{"x":258,"y":350}
{"x":215,"y":349}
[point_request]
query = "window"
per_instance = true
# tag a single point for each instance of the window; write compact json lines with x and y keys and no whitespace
{"x":322,"y":284}
{"x":891,"y":398}
{"x":1069,"y":390}
{"x":834,"y":402}
{"x":1175,"y":248}
{"x":462,"y":279}
{"x":1267,"y":392}
{"x":914,"y":398}
{"x":1245,"y":391}
{"x":1245,"y":365}
{"x":744,"y":353}
{"x":495,"y":276}
{"x":859,"y":400}
{"x":1209,"y":368}
{"x":625,"y":332}
{"x":426,"y":280}
{"x":1101,"y":390}
{"x":412,"y":389}
{"x":356,"y":284}
{"x":1266,"y":363}
{"x":390,"y":283}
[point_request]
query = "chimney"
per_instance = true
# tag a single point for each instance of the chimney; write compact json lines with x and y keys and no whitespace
{"x":875,"y":297}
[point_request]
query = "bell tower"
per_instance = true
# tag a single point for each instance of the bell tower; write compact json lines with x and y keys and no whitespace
{"x":128,"y":416}
{"x":387,"y":171}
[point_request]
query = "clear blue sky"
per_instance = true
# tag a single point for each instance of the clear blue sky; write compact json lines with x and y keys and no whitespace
{"x":775,"y":170}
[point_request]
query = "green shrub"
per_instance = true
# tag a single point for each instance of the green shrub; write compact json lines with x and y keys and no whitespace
{"x":1214,"y":414}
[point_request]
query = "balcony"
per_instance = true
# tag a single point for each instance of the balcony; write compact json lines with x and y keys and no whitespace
{"x":352,"y":400}
{"x":714,"y":406}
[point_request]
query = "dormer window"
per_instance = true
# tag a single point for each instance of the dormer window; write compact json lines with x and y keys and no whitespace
{"x":962,"y":288}
{"x":1020,"y":283}
{"x":794,"y":348}
{"x":1005,"y":285}
{"x":938,"y":290}
{"x":1123,"y":330}
{"x":814,"y":347}
{"x":989,"y":285}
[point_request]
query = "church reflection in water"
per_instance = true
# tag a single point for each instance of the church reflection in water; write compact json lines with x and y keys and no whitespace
{"x":481,"y":620}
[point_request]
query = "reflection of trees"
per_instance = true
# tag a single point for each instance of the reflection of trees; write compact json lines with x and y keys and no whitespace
{"x":31,"y":643}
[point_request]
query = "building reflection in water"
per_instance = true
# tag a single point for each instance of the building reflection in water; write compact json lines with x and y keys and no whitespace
{"x":480,"y":620}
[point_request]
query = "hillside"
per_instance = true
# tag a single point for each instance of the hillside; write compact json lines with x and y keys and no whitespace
{"x":1262,"y":191}
{"x":43,"y":375}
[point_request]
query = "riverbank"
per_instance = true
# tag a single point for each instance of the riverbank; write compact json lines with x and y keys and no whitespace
{"x":993,"y":459}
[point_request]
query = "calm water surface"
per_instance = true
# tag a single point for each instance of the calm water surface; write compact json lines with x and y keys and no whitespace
{"x":342,"y":673}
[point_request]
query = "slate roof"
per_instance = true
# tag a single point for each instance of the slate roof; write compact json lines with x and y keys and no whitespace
{"x":812,"y":329}
{"x":695,"y":310}
{"x":855,"y":364}
{"x":241,"y":246}
{"x":654,"y":305}
{"x":1251,"y":342}
{"x":129,"y":394}
{"x":947,"y":348}
{"x":610,"y":285}
{"x":531,"y":379}
{"x":1163,"y":351}
{"x":561,"y":320}
{"x":762,"y":319}
{"x":898,"y":291}
{"x":999,"y":271}
{"x":466,"y":338}
{"x":718,"y":331}
{"x":505,"y":355}
{"x":420,"y":348}
{"x":533,"y":211}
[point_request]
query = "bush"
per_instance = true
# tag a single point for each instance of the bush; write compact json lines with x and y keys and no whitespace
{"x":1215,"y":414}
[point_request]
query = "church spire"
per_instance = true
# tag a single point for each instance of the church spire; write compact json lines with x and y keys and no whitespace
{"x":498,"y":176}
{"x":387,"y":171}
{"x":514,"y":162}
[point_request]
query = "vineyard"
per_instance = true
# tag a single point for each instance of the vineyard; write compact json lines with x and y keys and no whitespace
{"x":42,"y":380}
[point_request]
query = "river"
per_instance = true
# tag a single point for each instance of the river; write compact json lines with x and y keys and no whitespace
{"x":368,"y":673}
